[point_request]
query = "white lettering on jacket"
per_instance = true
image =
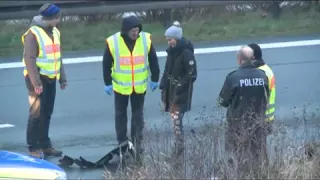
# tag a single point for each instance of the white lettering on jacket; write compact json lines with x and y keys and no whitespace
{"x":252,"y":82}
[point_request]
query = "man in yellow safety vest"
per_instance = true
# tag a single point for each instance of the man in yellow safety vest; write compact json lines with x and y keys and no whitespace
{"x":42,"y":67}
{"x":260,"y":64}
{"x":127,"y":58}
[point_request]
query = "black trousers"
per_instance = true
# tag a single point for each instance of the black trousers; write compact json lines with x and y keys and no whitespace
{"x":121,"y":119}
{"x":41,"y":109}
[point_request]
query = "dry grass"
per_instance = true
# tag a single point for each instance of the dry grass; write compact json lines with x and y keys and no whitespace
{"x":200,"y":24}
{"x":291,"y":155}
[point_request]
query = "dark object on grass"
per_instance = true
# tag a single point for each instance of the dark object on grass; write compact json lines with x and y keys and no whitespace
{"x":66,"y":161}
{"x":114,"y":156}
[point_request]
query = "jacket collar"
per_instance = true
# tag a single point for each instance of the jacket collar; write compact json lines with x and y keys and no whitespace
{"x":180,"y":46}
{"x":247,"y":65}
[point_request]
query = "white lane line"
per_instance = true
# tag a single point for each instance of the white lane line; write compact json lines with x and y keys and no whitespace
{"x":197,"y":51}
{"x":6,"y":126}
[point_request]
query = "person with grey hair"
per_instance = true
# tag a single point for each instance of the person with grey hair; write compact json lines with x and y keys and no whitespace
{"x":177,"y":81}
{"x":245,"y":94}
{"x":245,"y":54}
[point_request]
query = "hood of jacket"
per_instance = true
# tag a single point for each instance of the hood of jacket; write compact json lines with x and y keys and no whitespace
{"x":129,"y":23}
{"x":37,"y":21}
{"x":258,"y":63}
{"x":181,"y":46}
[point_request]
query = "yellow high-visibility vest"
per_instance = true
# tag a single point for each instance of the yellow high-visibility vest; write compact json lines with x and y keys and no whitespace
{"x":270,"y":113}
{"x":130,"y":71}
{"x":49,"y":57}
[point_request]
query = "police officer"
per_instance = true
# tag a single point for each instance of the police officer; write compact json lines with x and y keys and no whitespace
{"x":260,"y":63}
{"x":245,"y":94}
{"x":43,"y":66}
{"x":126,"y":62}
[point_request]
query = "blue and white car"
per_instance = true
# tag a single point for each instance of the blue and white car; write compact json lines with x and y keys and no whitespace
{"x":19,"y":166}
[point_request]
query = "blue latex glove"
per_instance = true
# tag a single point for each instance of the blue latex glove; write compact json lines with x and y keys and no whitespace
{"x":108,"y":89}
{"x":154,"y":85}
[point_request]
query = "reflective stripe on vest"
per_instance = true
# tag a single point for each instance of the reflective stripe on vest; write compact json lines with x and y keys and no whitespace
{"x":270,"y":113}
{"x":49,"y":57}
{"x":130,"y":70}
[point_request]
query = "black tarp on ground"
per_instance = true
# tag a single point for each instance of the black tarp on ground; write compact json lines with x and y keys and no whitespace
{"x":113,"y":157}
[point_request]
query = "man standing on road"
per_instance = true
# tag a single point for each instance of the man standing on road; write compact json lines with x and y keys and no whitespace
{"x":259,"y":63}
{"x":127,"y":58}
{"x":43,"y":66}
{"x":245,"y":94}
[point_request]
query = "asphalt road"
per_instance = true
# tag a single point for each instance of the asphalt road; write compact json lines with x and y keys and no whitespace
{"x":83,"y":122}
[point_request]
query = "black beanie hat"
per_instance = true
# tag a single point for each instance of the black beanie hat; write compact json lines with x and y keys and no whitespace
{"x":256,"y":51}
{"x":49,"y":11}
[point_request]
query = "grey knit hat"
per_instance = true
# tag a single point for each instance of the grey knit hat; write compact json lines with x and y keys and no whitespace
{"x":175,"y":31}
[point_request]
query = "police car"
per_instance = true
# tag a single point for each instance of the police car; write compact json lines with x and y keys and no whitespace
{"x":19,"y":166}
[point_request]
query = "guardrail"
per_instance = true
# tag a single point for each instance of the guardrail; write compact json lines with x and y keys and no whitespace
{"x":28,"y":9}
{"x":12,"y":3}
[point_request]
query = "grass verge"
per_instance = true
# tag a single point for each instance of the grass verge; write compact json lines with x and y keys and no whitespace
{"x":293,"y":154}
{"x":78,"y":36}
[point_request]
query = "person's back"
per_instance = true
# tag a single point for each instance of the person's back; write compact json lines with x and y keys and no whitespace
{"x":245,"y":93}
{"x":250,"y":94}
{"x":246,"y":117}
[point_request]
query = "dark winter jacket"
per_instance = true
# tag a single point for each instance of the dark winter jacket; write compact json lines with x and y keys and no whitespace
{"x":245,"y":91}
{"x":258,"y":63}
{"x":178,"y":77}
{"x":127,"y":24}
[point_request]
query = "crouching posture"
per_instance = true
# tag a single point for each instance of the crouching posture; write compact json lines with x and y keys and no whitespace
{"x":177,"y":81}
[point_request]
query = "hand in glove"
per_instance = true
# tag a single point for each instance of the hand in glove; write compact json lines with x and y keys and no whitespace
{"x":108,"y":89}
{"x":154,"y":85}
